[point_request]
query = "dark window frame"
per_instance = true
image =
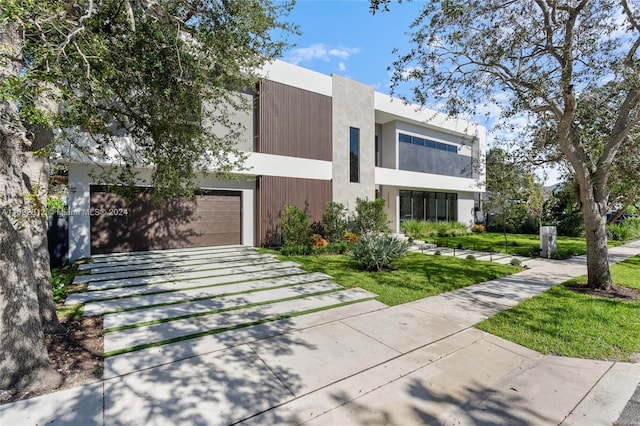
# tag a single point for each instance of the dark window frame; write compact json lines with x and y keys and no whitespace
{"x":354,"y":155}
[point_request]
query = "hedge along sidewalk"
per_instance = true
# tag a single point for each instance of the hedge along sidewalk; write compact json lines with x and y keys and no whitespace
{"x":415,"y":276}
{"x":563,"y":322}
{"x":518,"y":244}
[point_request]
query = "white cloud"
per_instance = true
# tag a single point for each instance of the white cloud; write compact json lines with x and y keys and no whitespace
{"x":342,"y":67}
{"x":319,"y":51}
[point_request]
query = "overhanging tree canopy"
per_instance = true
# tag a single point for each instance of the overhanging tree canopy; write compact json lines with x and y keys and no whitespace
{"x":107,"y":68}
{"x":545,"y":56}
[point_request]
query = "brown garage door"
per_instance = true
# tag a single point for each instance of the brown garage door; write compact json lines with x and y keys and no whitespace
{"x":212,"y":218}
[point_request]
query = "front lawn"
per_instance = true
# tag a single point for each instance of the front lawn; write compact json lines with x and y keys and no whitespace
{"x":566,"y":323}
{"x":416,"y":276}
{"x":520,"y":244}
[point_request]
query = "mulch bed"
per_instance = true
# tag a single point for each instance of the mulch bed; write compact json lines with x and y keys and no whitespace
{"x":617,"y":292}
{"x":76,"y":355}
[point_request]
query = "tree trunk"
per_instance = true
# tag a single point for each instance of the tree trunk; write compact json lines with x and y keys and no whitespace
{"x":24,"y":362}
{"x":595,"y":225}
{"x":37,"y":170}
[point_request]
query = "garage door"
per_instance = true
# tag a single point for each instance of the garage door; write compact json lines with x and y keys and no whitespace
{"x":212,"y":218}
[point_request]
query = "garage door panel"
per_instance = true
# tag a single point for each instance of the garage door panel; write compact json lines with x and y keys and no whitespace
{"x":117,"y":226}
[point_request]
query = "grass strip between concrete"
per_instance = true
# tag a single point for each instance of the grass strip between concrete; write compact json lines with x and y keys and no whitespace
{"x":229,"y":328}
{"x":270,"y":265}
{"x":217,"y":311}
{"x":127,"y":296}
{"x":196,"y":299}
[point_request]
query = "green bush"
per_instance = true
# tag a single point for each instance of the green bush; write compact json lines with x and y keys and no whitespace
{"x":60,"y":279}
{"x":296,"y":231}
{"x":59,"y":288}
{"x":334,"y":219}
{"x":332,"y":248}
{"x":470,"y":257}
{"x":515,"y":262}
{"x":426,"y":230}
{"x":371,"y":218}
{"x":295,"y":250}
{"x":618,"y":232}
{"x":375,"y":253}
{"x":55,"y":205}
{"x":437,"y":253}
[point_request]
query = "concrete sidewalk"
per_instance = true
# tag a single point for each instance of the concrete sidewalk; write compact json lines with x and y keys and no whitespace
{"x":417,"y":363}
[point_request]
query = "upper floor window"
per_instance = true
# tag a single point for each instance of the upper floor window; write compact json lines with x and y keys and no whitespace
{"x":417,"y":154}
{"x":427,"y":143}
{"x":354,"y":154}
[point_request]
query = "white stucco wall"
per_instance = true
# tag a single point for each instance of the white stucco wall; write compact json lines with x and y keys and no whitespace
{"x":352,"y":106}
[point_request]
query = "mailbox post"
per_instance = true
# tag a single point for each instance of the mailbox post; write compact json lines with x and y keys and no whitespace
{"x":548,"y":241}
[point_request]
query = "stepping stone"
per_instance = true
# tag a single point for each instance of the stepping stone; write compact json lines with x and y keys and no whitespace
{"x":174,"y":262}
{"x":193,"y":280}
{"x":183,"y":328}
{"x":160,"y":254}
{"x":218,"y":303}
{"x":143,"y":301}
{"x":189,"y":274}
{"x":159,"y":355}
{"x":162,"y":270}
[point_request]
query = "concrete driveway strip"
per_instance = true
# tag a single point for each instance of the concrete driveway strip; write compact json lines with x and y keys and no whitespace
{"x":176,"y":257}
{"x":417,"y":363}
{"x":138,"y":316}
{"x":186,"y":282}
{"x":172,"y":330}
{"x":213,"y":290}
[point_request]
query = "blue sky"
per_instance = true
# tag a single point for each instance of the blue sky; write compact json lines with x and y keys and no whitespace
{"x":343,"y":37}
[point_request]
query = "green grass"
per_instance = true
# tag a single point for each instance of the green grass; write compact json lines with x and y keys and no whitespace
{"x":566,"y":323}
{"x":416,"y":276}
{"x":71,"y":312}
{"x":520,"y":244}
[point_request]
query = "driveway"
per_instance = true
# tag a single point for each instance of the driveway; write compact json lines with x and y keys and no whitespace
{"x":223,"y":336}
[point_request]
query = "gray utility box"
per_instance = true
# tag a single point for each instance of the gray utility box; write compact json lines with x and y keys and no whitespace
{"x":548,"y":241}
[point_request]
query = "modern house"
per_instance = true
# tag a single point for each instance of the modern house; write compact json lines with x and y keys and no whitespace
{"x":311,"y":139}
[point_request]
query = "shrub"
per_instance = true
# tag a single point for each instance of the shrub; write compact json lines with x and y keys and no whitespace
{"x":295,"y":227}
{"x":318,"y":241}
{"x":376,"y":253}
{"x":334,"y":219}
{"x":293,"y":250}
{"x":618,"y":232}
{"x":60,"y":279}
{"x":55,"y":205}
{"x":351,"y":237}
{"x":58,"y":285}
{"x":478,"y":229}
{"x":470,"y":257}
{"x":319,"y":228}
{"x":332,"y":248}
{"x":371,"y":218}
{"x":515,"y":262}
{"x":437,"y":253}
{"x":426,"y":230}
{"x":338,"y":248}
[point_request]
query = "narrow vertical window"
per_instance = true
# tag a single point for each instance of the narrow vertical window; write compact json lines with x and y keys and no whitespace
{"x":354,"y":154}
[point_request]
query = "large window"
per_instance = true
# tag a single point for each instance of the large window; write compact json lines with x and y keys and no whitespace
{"x":433,"y":206}
{"x":423,"y":155}
{"x":354,"y":154}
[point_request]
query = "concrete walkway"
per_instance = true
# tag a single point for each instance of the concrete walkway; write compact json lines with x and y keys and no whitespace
{"x":358,"y":362}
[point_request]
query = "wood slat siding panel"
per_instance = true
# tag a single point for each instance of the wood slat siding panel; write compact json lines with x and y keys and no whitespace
{"x":276,"y":192}
{"x":293,"y":122}
{"x":212,"y":219}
